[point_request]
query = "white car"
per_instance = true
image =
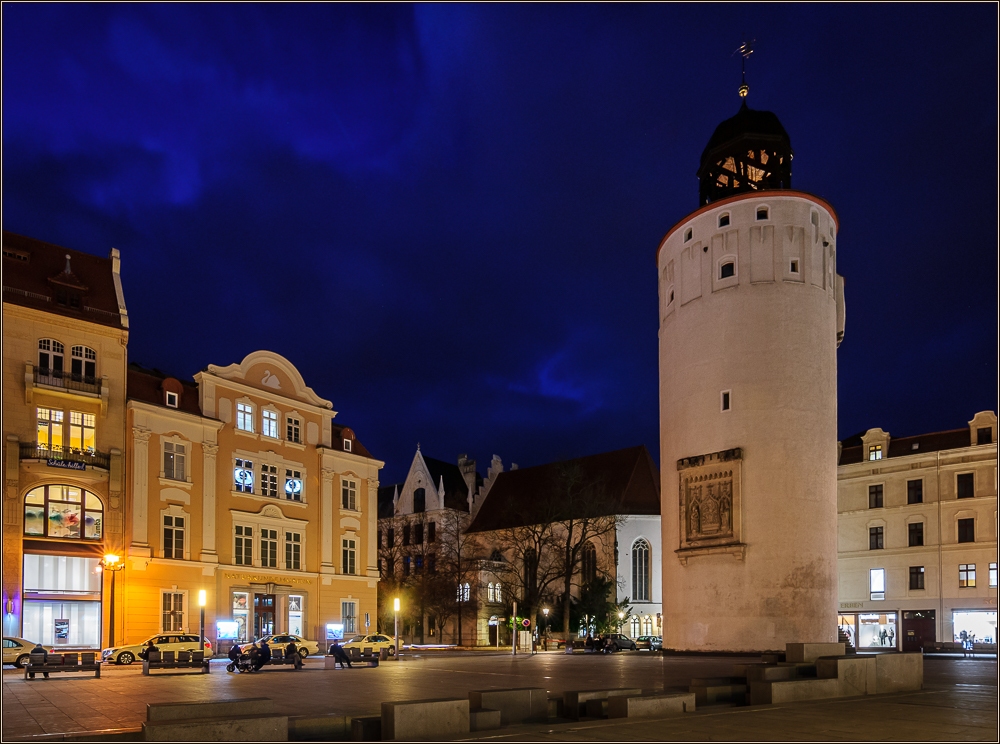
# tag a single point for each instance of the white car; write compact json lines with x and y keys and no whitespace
{"x":17,"y":650}
{"x":278,"y":642}
{"x":375,"y":642}
{"x":162,"y":641}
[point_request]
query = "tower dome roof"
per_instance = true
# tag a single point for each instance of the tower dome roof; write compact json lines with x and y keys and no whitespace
{"x":747,"y":152}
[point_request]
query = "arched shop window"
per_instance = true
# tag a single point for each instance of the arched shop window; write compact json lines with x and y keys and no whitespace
{"x":63,"y":511}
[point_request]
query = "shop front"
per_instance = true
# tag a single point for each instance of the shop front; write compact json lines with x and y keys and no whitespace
{"x":975,"y":626}
{"x":256,"y":611}
{"x":869,"y":629}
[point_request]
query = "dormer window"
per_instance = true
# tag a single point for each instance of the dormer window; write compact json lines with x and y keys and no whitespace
{"x":875,"y":452}
{"x":347,"y":445}
{"x":172,"y":400}
{"x":724,"y":220}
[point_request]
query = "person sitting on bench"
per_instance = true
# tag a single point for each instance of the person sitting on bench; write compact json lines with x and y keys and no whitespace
{"x":340,"y":655}
{"x":37,"y":651}
{"x":150,"y":646}
{"x":292,"y":652}
{"x":263,"y":656}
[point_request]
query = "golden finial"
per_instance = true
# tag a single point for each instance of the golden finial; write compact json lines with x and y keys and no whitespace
{"x":745,"y":50}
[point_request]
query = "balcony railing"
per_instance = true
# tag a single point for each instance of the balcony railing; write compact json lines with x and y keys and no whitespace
{"x":65,"y":456}
{"x":62,"y":379}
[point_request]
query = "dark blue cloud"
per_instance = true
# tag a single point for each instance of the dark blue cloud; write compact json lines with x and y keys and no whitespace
{"x":446,"y":215}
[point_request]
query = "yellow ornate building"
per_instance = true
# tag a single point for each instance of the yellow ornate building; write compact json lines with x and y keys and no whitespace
{"x":237,"y":484}
{"x":242,"y":486}
{"x":65,"y":336}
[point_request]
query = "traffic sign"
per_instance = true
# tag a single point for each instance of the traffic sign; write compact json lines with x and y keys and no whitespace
{"x":526,"y":623}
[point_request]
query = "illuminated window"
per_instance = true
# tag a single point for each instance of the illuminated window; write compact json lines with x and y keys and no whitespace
{"x":640,"y":571}
{"x":875,"y":496}
{"x":727,"y":270}
{"x":174,"y":460}
{"x":243,"y":476}
{"x":966,"y":530}
{"x":50,"y":428}
{"x":762,"y":211}
{"x":966,"y":575}
{"x":269,"y":424}
{"x":244,"y":417}
{"x":914,"y":492}
{"x":916,"y":577}
{"x":875,"y":538}
{"x":293,"y":485}
{"x":293,"y":551}
{"x":82,"y":433}
{"x":876,"y":583}
{"x":875,"y":452}
{"x":966,"y":485}
{"x":916,"y":534}
{"x":993,"y":575}
{"x":490,"y":594}
{"x":349,"y":494}
{"x":499,"y":594}
{"x":292,"y":426}
{"x":723,"y":220}
{"x":64,"y":512}
{"x":83,"y":364}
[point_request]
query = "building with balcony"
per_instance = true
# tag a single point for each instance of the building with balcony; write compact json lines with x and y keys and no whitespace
{"x":65,"y":344}
{"x":242,"y":486}
{"x":917,"y":556}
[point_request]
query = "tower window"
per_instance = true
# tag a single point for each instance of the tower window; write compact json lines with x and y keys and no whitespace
{"x":762,"y":213}
{"x":727,"y":270}
{"x":793,"y":267}
{"x":687,"y":234}
{"x":724,"y":220}
{"x":726,"y":399}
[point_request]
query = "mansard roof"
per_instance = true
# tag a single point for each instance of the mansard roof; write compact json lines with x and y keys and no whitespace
{"x":853,"y":450}
{"x":35,"y":275}
{"x":150,"y":386}
{"x":628,"y":479}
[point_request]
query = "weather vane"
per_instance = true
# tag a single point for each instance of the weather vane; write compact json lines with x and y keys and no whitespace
{"x":745,"y":50}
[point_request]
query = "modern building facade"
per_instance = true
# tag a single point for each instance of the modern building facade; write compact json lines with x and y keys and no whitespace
{"x":917,"y":536}
{"x":751,"y":315}
{"x":65,"y":343}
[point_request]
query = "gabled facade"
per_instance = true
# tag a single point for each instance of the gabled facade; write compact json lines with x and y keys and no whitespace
{"x":65,"y":342}
{"x":243,"y":487}
{"x":917,"y":536}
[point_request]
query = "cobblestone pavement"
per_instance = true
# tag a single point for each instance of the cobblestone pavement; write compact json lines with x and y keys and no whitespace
{"x":959,"y":700}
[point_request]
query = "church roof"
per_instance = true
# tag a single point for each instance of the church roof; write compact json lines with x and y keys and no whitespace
{"x":629,"y":478}
{"x":749,"y":123}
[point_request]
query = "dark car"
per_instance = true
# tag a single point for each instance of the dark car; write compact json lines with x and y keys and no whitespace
{"x":619,"y":642}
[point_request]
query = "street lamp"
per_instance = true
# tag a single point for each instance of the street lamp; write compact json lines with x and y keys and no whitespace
{"x":621,"y":616}
{"x":395,"y":625}
{"x":114,"y":564}
{"x":545,"y":611}
{"x":201,"y":634}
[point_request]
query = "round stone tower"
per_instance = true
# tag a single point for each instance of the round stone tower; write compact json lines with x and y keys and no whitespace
{"x":751,"y":314}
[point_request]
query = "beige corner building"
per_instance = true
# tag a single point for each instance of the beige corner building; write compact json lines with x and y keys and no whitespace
{"x":65,"y":337}
{"x":917,"y":533}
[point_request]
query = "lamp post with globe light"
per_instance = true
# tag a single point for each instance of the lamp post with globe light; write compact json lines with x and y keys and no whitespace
{"x":621,"y":616}
{"x":395,"y":610}
{"x":114,"y":564}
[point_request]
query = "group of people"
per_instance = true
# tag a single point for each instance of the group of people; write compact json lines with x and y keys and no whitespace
{"x":259,"y":653}
{"x":603,"y":644}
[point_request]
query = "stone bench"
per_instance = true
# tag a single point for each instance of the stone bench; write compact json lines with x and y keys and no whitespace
{"x":183,"y":660}
{"x":246,"y":719}
{"x":899,"y":672}
{"x":651,"y":706}
{"x":792,"y":690}
{"x":719,"y":690}
{"x":516,"y":705}
{"x":483,"y":719}
{"x":809,"y":652}
{"x":331,"y":662}
{"x":61,"y":663}
{"x":575,"y":701}
{"x":425,"y":719}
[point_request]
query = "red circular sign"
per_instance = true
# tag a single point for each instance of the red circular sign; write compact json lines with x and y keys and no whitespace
{"x":526,"y":623}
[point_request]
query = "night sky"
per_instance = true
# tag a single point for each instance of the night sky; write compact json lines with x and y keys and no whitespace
{"x":447,"y":216}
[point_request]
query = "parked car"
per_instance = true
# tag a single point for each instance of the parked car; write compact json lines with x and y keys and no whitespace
{"x":644,"y":643}
{"x":17,"y":650}
{"x":619,"y":642}
{"x":376,"y":642}
{"x":656,"y":643}
{"x":164,"y":642}
{"x":279,"y":641}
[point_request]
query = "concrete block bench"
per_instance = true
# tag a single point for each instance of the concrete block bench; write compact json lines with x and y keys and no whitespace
{"x":330,"y":662}
{"x":366,"y":728}
{"x":792,"y":690}
{"x":719,"y":690}
{"x":856,"y":674}
{"x":651,"y":706}
{"x":366,"y":656}
{"x":182,"y":660}
{"x":425,"y":719}
{"x":61,"y":663}
{"x":516,"y":705}
{"x":809,"y":652}
{"x":245,"y":719}
{"x":575,"y":701}
{"x":483,"y":719}
{"x":899,"y":672}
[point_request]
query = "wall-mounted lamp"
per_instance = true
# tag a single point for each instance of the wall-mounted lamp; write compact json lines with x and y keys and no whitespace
{"x":9,"y":606}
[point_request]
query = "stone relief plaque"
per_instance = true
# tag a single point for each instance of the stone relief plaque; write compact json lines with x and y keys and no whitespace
{"x":710,"y":504}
